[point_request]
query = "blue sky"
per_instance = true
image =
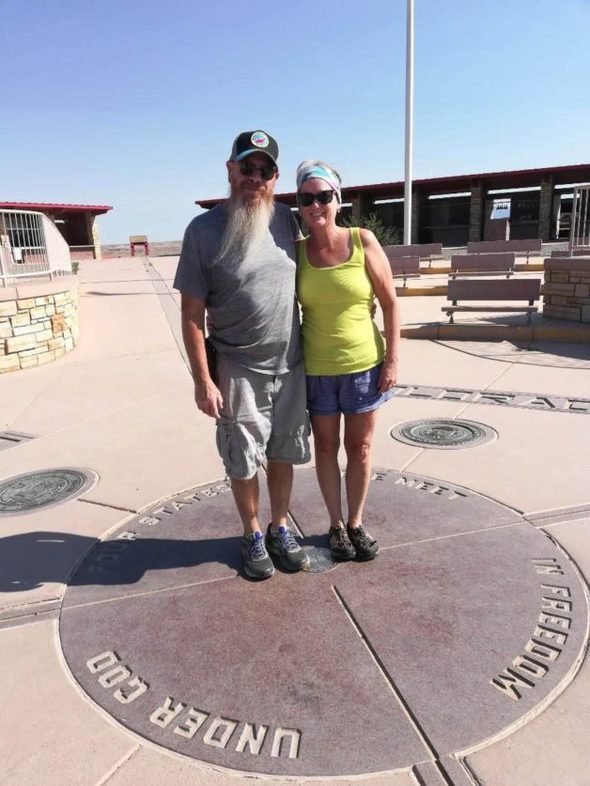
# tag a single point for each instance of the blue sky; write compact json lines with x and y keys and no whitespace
{"x":135,"y":103}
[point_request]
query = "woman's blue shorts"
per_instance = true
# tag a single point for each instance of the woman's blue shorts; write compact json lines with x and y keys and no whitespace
{"x":349,"y":394}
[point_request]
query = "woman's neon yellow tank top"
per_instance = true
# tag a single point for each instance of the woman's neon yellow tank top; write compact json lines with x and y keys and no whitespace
{"x":339,"y":336}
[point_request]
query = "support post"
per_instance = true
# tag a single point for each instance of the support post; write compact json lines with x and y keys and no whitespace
{"x":409,"y":121}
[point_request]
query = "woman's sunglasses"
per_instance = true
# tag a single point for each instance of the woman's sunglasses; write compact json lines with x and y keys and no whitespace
{"x":247,"y":168}
{"x":306,"y":198}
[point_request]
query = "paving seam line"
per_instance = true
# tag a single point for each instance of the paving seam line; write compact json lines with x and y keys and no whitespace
{"x":170,"y":309}
{"x":453,"y":535}
{"x":117,"y":765}
{"x":417,"y":777}
{"x":459,"y":774}
{"x":103,"y":415}
{"x":81,"y":557}
{"x":41,"y":392}
{"x":545,"y":527}
{"x":558,"y":516}
{"x":507,"y":358}
{"x":9,"y":623}
{"x":107,"y":505}
{"x":133,"y":595}
{"x":405,"y":707}
{"x":470,"y":772}
{"x":508,"y":368}
{"x":31,"y":609}
{"x":294,"y":523}
{"x":411,"y":460}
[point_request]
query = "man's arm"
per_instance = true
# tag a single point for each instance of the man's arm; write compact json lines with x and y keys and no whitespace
{"x":207,"y":395}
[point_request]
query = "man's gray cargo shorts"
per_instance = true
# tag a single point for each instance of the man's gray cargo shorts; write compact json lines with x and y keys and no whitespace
{"x":264,"y":418}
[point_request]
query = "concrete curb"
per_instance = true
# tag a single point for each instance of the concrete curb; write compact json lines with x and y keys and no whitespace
{"x":522,"y":267}
{"x":576,"y":334}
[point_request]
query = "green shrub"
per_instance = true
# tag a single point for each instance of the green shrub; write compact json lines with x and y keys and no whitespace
{"x":387,"y":236}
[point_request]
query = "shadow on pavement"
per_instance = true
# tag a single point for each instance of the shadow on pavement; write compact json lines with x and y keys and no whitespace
{"x":30,"y":560}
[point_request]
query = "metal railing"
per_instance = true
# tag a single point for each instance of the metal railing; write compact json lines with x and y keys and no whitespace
{"x":580,"y":229}
{"x":31,"y":245}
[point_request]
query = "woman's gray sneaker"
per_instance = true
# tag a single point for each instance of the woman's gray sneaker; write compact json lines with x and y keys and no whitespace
{"x":365,"y":545}
{"x":257,"y":563}
{"x":341,"y":548}
{"x":284,"y":547}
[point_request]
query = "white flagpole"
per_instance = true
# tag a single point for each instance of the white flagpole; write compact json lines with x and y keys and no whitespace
{"x":409,"y":122}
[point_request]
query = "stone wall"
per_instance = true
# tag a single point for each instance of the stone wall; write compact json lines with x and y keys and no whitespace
{"x":476,"y":208}
{"x":566,"y":289}
{"x":38,"y":322}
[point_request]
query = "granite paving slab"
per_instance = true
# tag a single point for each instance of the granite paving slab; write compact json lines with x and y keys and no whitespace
{"x":539,"y":460}
{"x":194,"y":534}
{"x":538,"y":353}
{"x":49,"y":734}
{"x":403,"y":507}
{"x":477,"y":641}
{"x":553,"y":747}
{"x":231,"y":660}
{"x":469,"y":621}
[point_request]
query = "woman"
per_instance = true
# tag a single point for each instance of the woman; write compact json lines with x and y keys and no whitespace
{"x":350,"y":372}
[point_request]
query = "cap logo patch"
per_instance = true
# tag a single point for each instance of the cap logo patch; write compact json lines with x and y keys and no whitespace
{"x":259,"y":139}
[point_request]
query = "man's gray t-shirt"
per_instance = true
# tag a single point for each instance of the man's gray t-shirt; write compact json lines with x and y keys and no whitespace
{"x":250,"y":298}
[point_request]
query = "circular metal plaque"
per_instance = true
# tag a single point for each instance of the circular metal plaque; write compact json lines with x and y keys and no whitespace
{"x":442,"y":433}
{"x":320,"y":559}
{"x":33,"y":490}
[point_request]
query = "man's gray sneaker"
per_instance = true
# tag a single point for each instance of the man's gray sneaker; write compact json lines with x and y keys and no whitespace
{"x":365,"y":545}
{"x":283,"y":545}
{"x":257,"y":563}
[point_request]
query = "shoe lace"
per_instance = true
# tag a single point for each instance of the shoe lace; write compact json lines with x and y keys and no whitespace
{"x":256,"y":548}
{"x":288,"y":540}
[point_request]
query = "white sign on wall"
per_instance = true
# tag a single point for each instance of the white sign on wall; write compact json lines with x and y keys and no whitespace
{"x":500,"y":208}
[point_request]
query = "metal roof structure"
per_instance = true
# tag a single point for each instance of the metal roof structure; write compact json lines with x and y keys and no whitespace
{"x":516,"y":178}
{"x":55,"y":207}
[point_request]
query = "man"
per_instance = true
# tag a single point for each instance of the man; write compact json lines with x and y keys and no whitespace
{"x":238,"y":264}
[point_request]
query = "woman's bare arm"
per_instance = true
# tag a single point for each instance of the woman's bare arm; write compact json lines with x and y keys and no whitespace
{"x":379,"y":272}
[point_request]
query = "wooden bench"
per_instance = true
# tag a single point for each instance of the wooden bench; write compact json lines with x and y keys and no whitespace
{"x":576,"y":252}
{"x":403,"y":266}
{"x":499,"y":291}
{"x":427,"y":251}
{"x":520,"y":247}
{"x":139,"y":241}
{"x":482,"y":265}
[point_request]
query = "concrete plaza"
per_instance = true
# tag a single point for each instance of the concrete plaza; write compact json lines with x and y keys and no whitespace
{"x":458,"y":657}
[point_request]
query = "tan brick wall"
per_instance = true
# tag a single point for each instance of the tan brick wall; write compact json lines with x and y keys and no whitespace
{"x":37,"y":330}
{"x":566,"y":295}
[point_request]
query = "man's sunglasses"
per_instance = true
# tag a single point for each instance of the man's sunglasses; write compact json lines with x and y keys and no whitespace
{"x":267,"y":172}
{"x":306,"y":198}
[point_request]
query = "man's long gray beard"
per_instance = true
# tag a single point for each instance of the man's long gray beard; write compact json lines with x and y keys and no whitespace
{"x":247,"y":223}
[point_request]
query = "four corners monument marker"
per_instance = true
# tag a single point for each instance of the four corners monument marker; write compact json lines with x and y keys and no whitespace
{"x":470,"y":620}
